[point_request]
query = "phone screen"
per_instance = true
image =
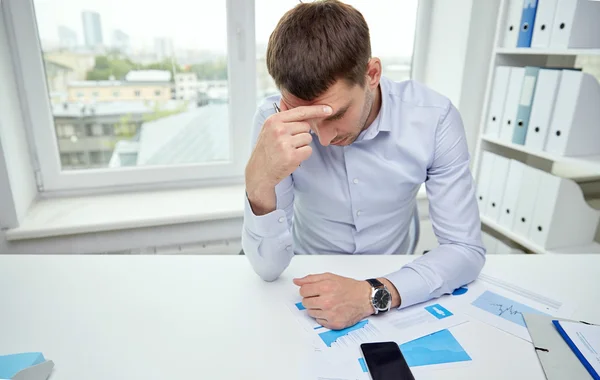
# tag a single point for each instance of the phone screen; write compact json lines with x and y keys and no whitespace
{"x":385,"y":361}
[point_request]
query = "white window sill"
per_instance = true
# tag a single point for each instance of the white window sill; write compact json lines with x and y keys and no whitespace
{"x":100,"y":213}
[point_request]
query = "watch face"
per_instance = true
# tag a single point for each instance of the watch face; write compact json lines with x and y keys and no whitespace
{"x":381,"y":299}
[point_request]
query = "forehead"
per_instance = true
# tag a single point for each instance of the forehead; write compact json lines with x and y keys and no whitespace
{"x":336,"y":96}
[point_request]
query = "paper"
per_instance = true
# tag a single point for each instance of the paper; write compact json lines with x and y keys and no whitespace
{"x":584,"y":340}
{"x":502,"y":305}
{"x":424,"y":356}
{"x":10,"y":365}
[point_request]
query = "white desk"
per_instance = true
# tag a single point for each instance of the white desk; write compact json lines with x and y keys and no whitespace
{"x":211,"y":317}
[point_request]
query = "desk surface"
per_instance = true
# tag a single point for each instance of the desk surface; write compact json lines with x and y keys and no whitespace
{"x":211,"y":317}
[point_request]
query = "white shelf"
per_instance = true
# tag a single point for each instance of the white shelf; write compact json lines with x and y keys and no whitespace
{"x":592,"y":248}
{"x":544,"y":51}
{"x":589,"y":164}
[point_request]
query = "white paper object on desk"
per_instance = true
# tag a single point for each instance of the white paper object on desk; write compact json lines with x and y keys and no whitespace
{"x":584,"y":340}
{"x":501,"y":304}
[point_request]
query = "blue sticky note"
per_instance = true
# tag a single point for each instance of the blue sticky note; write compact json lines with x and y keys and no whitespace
{"x":10,"y":365}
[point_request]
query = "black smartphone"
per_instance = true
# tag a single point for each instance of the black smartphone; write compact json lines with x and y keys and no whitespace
{"x":385,"y":361}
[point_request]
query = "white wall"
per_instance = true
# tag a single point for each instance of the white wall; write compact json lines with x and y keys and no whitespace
{"x":13,"y":137}
{"x":458,"y":49}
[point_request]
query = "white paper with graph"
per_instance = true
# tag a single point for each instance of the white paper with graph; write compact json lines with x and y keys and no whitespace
{"x":398,"y":325}
{"x":501,"y":304}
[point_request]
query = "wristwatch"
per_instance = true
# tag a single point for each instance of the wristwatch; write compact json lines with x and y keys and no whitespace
{"x":381,"y":298}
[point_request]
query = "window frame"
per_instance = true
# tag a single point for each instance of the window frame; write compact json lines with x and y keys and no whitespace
{"x":31,"y":80}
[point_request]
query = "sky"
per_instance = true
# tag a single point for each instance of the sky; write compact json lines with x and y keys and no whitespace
{"x":201,"y":24}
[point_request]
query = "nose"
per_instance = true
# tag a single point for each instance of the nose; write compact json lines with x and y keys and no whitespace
{"x":326,"y":135}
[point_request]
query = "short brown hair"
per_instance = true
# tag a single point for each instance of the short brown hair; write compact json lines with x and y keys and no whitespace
{"x":315,"y":44}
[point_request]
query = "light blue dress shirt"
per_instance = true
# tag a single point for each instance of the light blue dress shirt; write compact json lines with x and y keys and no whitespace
{"x":359,"y":199}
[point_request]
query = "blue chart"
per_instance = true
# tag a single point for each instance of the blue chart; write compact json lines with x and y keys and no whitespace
{"x":331,"y":336}
{"x":438,"y":348}
{"x":503,"y":307}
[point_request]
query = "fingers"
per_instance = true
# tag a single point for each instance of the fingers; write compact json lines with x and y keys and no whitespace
{"x":302,"y":153}
{"x":316,"y":313}
{"x":297,"y":127}
{"x":310,"y":290}
{"x":311,"y":278}
{"x":304,"y":113}
{"x":301,"y":139}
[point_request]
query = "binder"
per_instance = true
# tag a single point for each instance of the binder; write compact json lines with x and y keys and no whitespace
{"x":574,"y":129}
{"x":524,"y":108}
{"x":512,"y":23}
{"x":484,"y":179}
{"x":511,"y":194}
{"x":576,"y":24}
{"x":527,"y":23}
{"x":544,"y":19}
{"x":529,"y":189}
{"x":557,"y":359}
{"x":562,"y":217}
{"x":501,"y":76}
{"x":511,"y":104}
{"x":542,"y":108}
{"x":497,"y":185}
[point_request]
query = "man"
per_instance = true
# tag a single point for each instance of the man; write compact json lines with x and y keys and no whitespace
{"x":338,"y":168}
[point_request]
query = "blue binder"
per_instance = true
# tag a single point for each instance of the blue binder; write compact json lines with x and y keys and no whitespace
{"x":527,"y":23}
{"x":525,"y":103}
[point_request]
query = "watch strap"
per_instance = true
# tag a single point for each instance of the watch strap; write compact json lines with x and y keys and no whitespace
{"x":375,"y":283}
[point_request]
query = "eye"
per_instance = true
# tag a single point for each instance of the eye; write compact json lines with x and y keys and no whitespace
{"x":337,"y":117}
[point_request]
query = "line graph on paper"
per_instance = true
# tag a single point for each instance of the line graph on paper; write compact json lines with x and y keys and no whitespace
{"x":503,"y":307}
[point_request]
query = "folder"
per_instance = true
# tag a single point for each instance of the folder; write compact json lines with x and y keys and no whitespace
{"x":485,"y":175}
{"x":544,"y":19}
{"x":512,"y":23}
{"x":527,"y":23}
{"x":542,"y":108}
{"x":501,"y":76}
{"x":556,"y":357}
{"x":524,"y":108}
{"x":584,"y":341}
{"x":511,"y":194}
{"x":574,"y":129}
{"x":576,"y":24}
{"x":25,"y":366}
{"x":561,"y":216}
{"x":529,"y":190}
{"x":511,"y":104}
{"x":496,"y":190}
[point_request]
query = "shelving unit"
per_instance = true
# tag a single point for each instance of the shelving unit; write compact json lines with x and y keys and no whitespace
{"x":577,"y":168}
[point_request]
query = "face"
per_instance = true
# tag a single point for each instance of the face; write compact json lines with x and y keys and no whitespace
{"x":352,"y":110}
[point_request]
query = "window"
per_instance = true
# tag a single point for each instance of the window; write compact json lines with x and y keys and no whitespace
{"x":391,"y":23}
{"x":179,"y":140}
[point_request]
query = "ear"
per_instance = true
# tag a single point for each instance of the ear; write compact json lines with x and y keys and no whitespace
{"x":374,"y":72}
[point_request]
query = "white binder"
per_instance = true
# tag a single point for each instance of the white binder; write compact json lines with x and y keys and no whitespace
{"x":561,"y":217}
{"x":542,"y":107}
{"x":576,"y":24}
{"x":485,"y":175}
{"x":501,"y":76}
{"x":512,"y":22}
{"x":511,"y":194}
{"x":528,"y":193}
{"x":497,"y":186}
{"x":511,"y":104}
{"x":575,"y":127}
{"x":544,"y":20}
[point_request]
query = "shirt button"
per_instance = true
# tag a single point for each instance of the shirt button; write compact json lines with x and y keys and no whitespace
{"x":281,"y":220}
{"x":358,"y":213}
{"x":355,"y":180}
{"x":288,"y":248}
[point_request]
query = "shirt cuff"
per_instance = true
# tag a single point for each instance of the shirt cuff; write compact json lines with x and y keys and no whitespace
{"x":268,"y":225}
{"x":410,"y":285}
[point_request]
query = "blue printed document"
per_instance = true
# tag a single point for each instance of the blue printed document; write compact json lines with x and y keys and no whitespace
{"x":584,"y":341}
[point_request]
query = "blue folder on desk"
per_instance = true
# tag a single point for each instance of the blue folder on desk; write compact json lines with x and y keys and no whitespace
{"x":527,"y":23}
{"x":25,"y":366}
